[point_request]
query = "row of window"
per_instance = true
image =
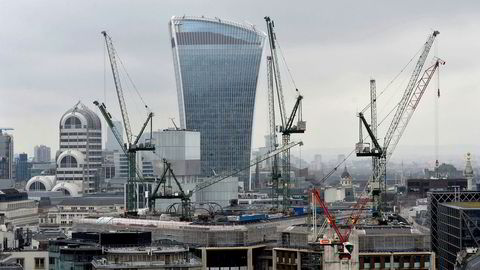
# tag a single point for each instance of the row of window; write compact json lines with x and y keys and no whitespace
{"x":99,"y":133}
{"x":91,"y":140}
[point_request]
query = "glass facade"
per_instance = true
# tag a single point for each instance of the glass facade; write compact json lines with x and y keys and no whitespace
{"x":216,"y":67}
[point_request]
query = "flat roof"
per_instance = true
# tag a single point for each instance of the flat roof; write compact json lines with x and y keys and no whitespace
{"x":92,"y":201}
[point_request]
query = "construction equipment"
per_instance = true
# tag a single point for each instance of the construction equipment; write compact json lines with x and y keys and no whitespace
{"x":275,"y":174}
{"x":404,"y":111}
{"x":185,"y":197}
{"x":132,"y":146}
{"x":167,"y":193}
{"x":287,"y":126}
{"x":342,"y":241}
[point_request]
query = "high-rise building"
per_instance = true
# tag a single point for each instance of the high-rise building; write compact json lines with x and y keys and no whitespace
{"x":112,"y":144}
{"x":216,"y":67}
{"x":22,"y":170}
{"x":80,"y":150}
{"x":42,"y":153}
{"x":6,"y":155}
{"x":457,"y":230}
{"x":439,"y":222}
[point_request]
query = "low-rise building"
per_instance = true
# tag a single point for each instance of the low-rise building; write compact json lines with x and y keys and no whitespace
{"x":16,"y":209}
{"x":394,"y":247}
{"x":72,"y":208}
{"x":150,"y":257}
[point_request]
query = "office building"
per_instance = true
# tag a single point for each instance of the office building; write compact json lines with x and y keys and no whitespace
{"x":79,"y":159}
{"x":118,"y":250}
{"x":435,"y":199}
{"x":6,"y":155}
{"x":216,"y":67}
{"x":457,"y":230}
{"x":80,"y":150}
{"x":16,"y":209}
{"x":41,"y":154}
{"x":22,"y":168}
{"x":394,"y":247}
{"x":71,"y":208}
{"x":420,"y":187}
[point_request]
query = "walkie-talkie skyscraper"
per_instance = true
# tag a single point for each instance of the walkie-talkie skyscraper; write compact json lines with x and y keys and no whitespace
{"x":216,"y":67}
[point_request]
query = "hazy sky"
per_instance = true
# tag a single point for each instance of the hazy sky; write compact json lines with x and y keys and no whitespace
{"x":52,"y":55}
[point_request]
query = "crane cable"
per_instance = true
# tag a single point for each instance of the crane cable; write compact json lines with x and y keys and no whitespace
{"x":286,"y":65}
{"x":380,"y":123}
{"x":394,"y":78}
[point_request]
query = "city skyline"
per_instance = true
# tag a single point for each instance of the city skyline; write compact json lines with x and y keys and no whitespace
{"x":332,"y":65}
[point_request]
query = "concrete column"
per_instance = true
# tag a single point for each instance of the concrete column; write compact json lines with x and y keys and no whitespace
{"x":274,"y":259}
{"x":299,"y":262}
{"x":391,"y":262}
{"x":204,"y":258}
{"x":250,"y":259}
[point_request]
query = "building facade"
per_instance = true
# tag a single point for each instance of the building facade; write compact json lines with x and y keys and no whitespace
{"x":457,"y":230}
{"x":435,"y":200}
{"x":42,"y":153}
{"x":420,"y":187}
{"x":216,"y":67}
{"x":22,"y":170}
{"x":80,"y":155}
{"x":16,"y":209}
{"x":6,"y":155}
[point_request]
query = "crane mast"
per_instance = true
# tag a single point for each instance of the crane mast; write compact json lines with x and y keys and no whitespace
{"x":272,"y":132}
{"x":286,"y":127}
{"x":374,"y":125}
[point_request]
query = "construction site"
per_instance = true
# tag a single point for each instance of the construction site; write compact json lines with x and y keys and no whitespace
{"x":281,"y":229}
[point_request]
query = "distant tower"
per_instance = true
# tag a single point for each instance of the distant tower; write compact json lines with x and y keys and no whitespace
{"x":468,"y":173}
{"x":346,"y":178}
{"x":6,"y":154}
{"x":42,"y":153}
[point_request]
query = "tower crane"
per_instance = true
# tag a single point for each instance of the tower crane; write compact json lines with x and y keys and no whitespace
{"x":404,"y":111}
{"x":132,"y":146}
{"x":185,"y":196}
{"x":287,"y":126}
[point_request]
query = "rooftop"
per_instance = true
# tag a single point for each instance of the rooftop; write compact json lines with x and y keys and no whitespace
{"x":95,"y":201}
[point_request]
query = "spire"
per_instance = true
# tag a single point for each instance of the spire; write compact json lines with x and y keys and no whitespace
{"x":468,"y":173}
{"x":345,"y":173}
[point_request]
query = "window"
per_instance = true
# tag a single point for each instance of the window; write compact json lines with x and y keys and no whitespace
{"x":73,"y":122}
{"x":39,"y":263}
{"x":68,"y":162}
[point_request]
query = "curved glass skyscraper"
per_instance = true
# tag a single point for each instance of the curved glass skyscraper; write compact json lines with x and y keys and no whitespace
{"x":216,"y":67}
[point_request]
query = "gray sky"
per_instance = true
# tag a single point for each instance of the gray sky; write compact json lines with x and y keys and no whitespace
{"x":52,"y":55}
